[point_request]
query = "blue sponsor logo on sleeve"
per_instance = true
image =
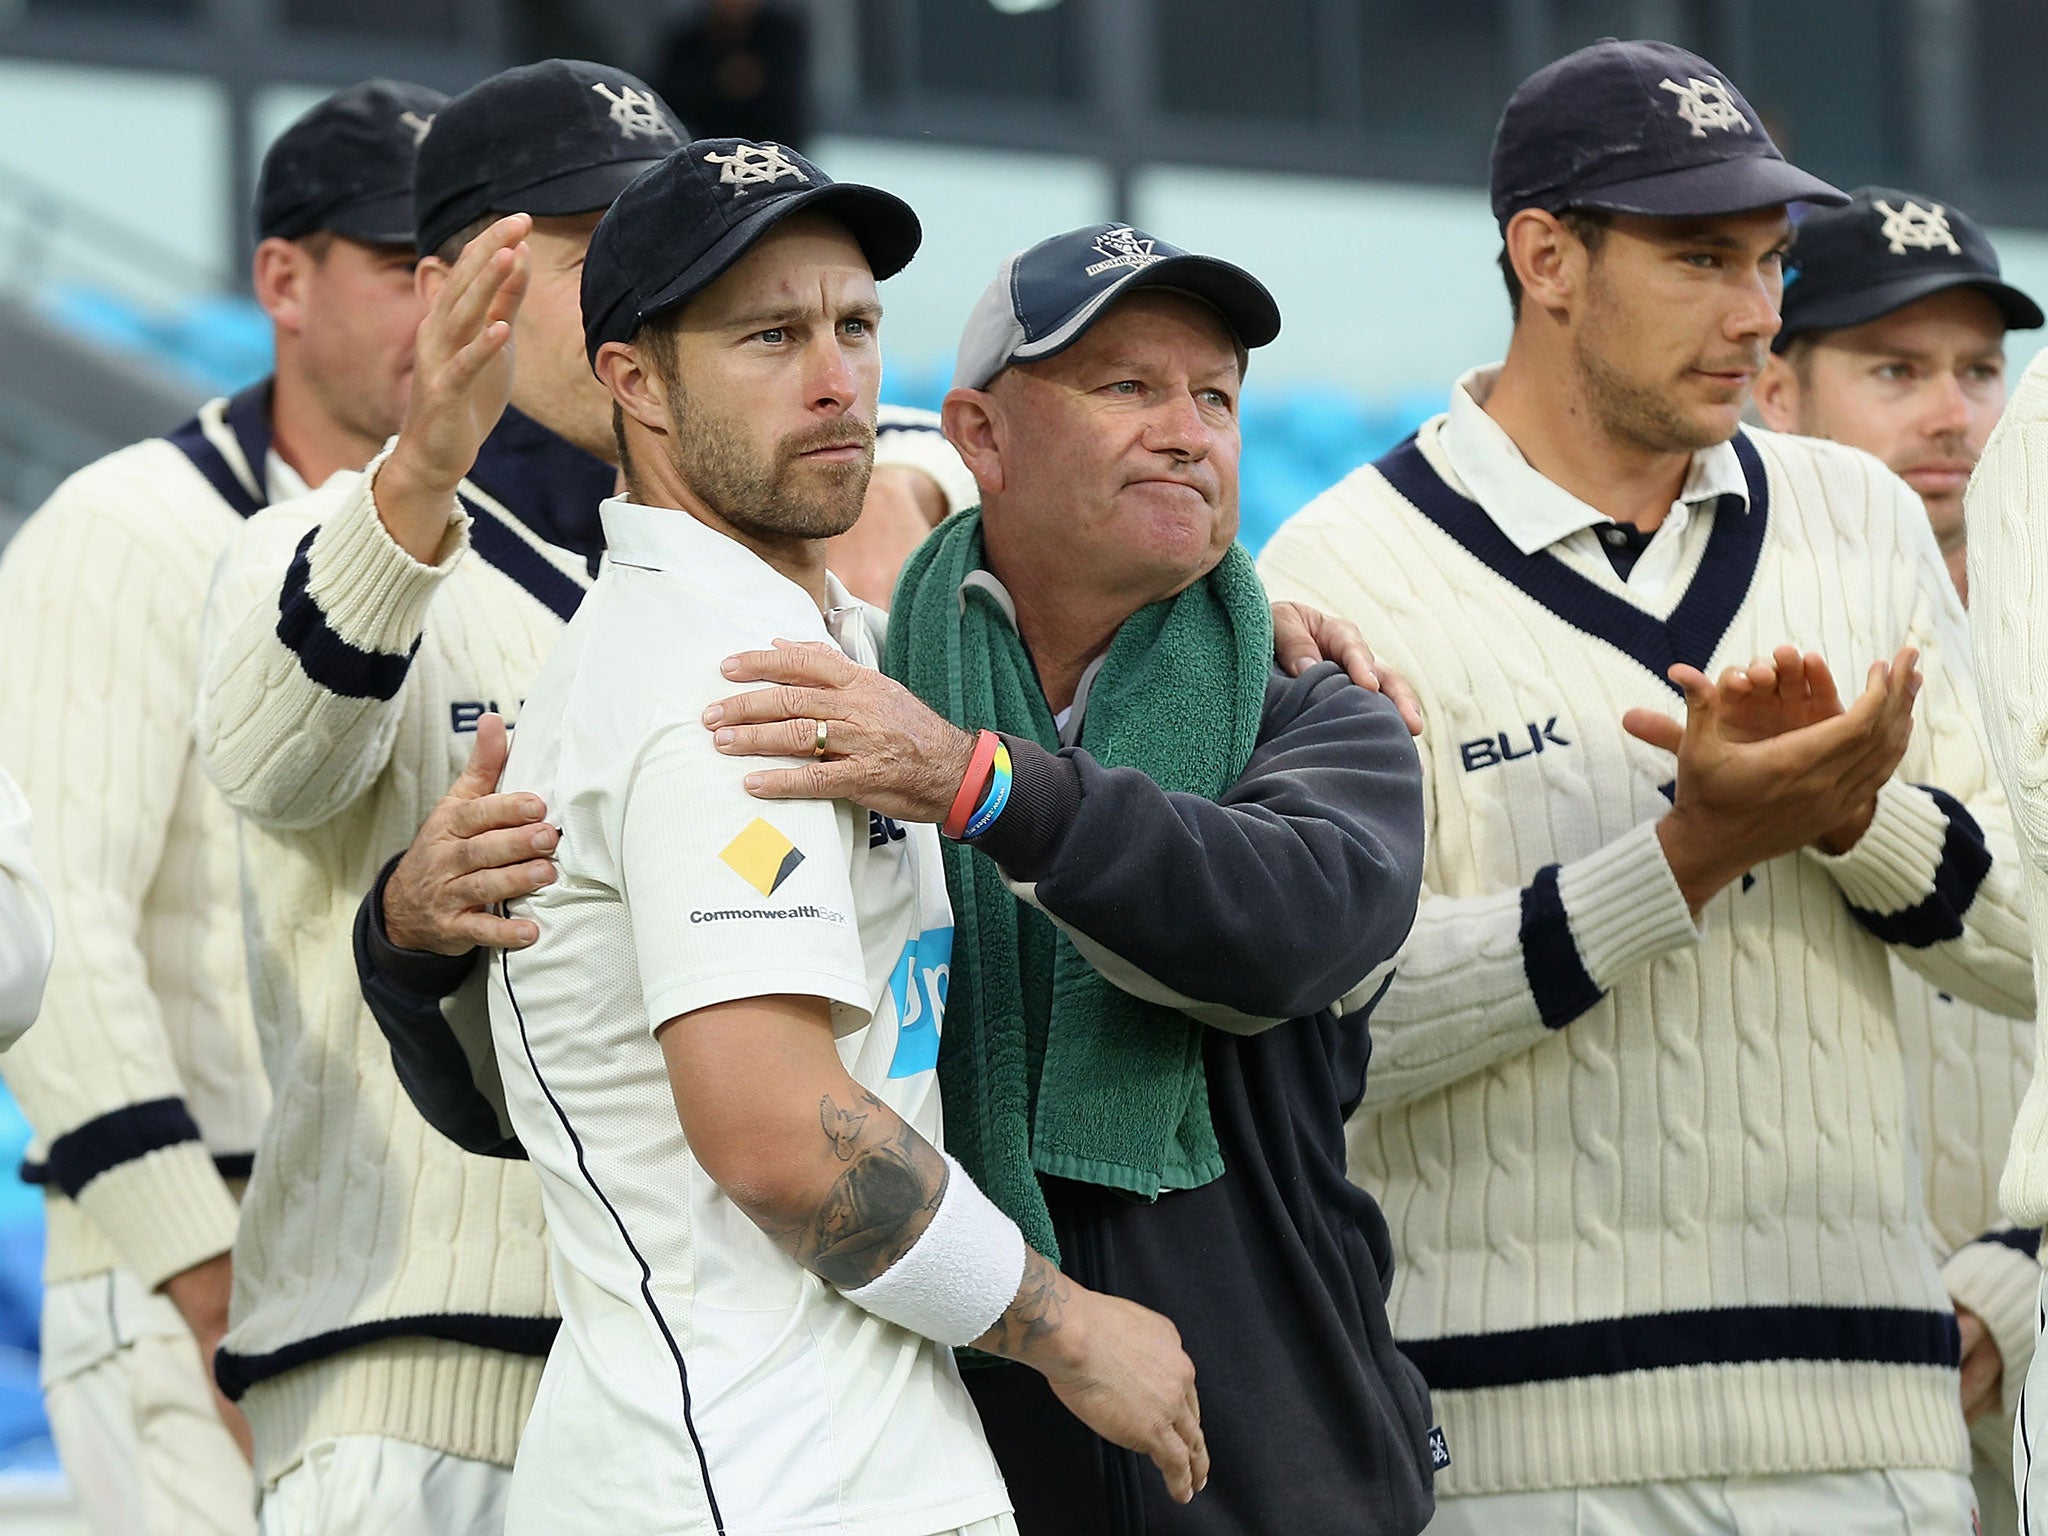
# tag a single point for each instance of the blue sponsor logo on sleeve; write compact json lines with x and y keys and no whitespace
{"x":918,"y":988}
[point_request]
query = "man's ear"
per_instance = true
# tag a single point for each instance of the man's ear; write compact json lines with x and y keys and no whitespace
{"x":637,"y":388}
{"x":279,"y":275}
{"x":1777,"y":394}
{"x":1548,"y":259}
{"x":969,"y":418}
{"x":429,"y":277}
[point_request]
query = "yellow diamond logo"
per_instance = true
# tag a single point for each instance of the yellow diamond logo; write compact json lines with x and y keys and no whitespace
{"x":762,"y":857}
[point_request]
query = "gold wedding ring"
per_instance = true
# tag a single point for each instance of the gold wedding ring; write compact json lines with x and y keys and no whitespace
{"x":818,"y":747}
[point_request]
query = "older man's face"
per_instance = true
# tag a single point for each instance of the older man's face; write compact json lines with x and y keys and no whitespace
{"x":1119,"y":456}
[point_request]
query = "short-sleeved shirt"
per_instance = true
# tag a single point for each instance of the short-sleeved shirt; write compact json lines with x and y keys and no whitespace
{"x":698,"y":1363}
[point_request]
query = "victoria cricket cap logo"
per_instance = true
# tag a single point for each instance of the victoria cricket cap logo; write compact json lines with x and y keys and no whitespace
{"x":636,"y":114}
{"x":753,"y":165}
{"x":1913,"y":228}
{"x":1121,"y":247}
{"x":1705,"y":104}
{"x":419,"y":126}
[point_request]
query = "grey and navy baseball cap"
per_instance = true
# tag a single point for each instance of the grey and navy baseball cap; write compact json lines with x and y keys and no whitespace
{"x":1639,"y":127}
{"x":1044,"y":299}
{"x":677,"y":228}
{"x":558,"y":137}
{"x":1884,"y":250}
{"x":346,"y":165}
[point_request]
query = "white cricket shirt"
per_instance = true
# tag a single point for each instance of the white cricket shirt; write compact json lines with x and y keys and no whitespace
{"x":697,"y":1362}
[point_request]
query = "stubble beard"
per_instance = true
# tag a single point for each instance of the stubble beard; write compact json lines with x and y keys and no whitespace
{"x":771,"y":495}
{"x":1636,"y":414}
{"x":1627,"y":410}
{"x":367,"y":406}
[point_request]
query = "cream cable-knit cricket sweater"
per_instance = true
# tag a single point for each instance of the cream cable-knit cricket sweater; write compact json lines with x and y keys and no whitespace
{"x":26,"y":926}
{"x":1651,"y":1184}
{"x":1966,"y":1070}
{"x":2007,"y":514}
{"x":142,"y":1080}
{"x":386,"y":1282}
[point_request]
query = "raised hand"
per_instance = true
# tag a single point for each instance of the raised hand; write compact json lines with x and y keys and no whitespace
{"x":461,"y":383}
{"x":1741,"y":799}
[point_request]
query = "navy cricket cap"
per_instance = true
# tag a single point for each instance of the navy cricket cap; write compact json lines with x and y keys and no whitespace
{"x":1885,"y":250}
{"x":346,"y":165}
{"x":1044,"y":299}
{"x":561,"y":136}
{"x":679,"y":227}
{"x":1639,"y":127}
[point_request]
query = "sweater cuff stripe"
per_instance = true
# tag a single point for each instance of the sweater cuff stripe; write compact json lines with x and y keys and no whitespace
{"x":329,"y":660}
{"x":1965,"y":861}
{"x":121,"y":1136}
{"x":2026,"y":1240}
{"x":1673,"y":1340}
{"x":531,"y":1336}
{"x":1556,"y":972}
{"x":229,"y":1165}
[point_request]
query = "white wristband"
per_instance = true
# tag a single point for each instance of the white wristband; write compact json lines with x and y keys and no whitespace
{"x":960,"y":1275}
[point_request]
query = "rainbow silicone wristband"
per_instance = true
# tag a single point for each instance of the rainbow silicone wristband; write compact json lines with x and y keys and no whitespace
{"x":998,"y":796}
{"x":971,"y":784}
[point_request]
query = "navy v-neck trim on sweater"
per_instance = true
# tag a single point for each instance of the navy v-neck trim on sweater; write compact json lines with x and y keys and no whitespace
{"x":551,"y":486}
{"x":1716,"y":594}
{"x":248,"y":417}
{"x":547,"y":482}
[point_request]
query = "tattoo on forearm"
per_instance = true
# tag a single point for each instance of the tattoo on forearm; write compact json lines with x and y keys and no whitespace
{"x":880,"y":1205}
{"x":842,"y":1127}
{"x":1036,"y":1314}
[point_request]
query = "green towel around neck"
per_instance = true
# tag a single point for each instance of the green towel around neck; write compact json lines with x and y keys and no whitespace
{"x":1046,"y":1067}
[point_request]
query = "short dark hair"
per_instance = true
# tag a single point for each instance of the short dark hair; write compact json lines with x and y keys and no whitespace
{"x":450,"y":250}
{"x":1798,"y":351}
{"x":656,"y":341}
{"x":1588,"y":225}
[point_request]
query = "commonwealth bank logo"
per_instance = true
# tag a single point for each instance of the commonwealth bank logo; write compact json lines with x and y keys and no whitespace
{"x":762,"y":857}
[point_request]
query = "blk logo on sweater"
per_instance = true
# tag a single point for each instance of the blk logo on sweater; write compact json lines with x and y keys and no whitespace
{"x":1506,"y":747}
{"x":463,"y":714}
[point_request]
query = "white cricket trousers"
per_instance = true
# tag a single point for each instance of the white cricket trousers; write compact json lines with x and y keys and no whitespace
{"x":133,"y":1417}
{"x":1991,"y":1475}
{"x":357,"y":1484}
{"x":1912,"y":1503}
{"x":352,"y":1485}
